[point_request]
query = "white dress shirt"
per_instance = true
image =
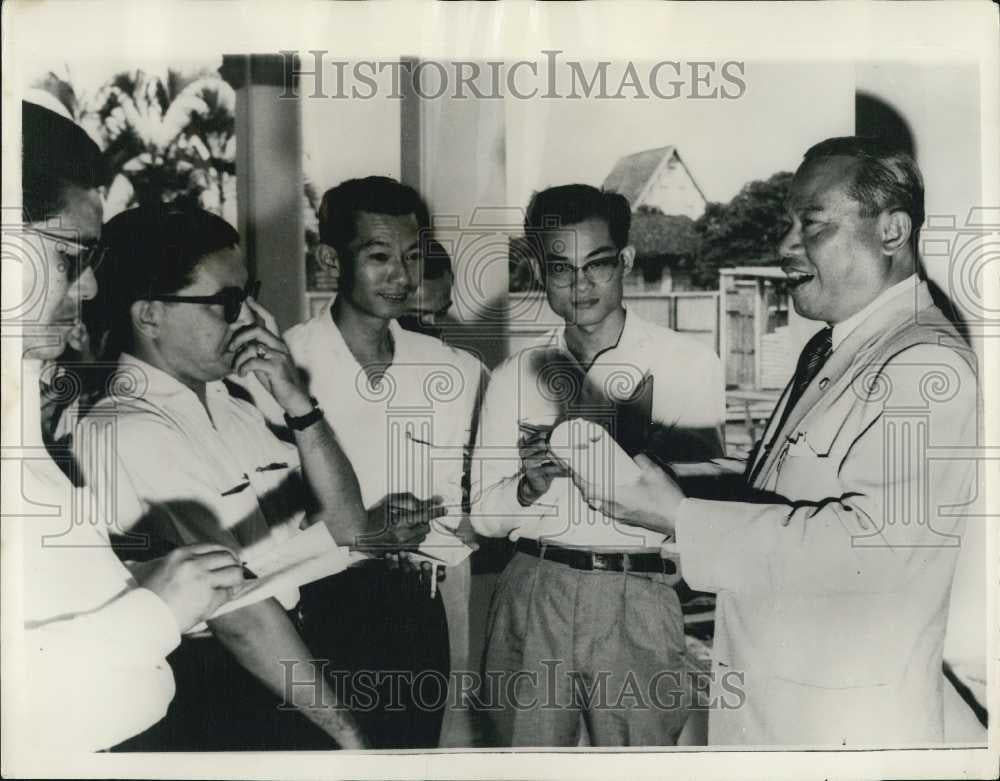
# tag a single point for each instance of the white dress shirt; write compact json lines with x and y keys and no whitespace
{"x":94,"y":670}
{"x":688,"y":392}
{"x":412,"y":431}
{"x":224,"y":478}
{"x":843,"y":329}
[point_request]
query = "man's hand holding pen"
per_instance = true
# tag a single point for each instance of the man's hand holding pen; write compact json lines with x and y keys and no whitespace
{"x":400,"y":522}
{"x":193,"y":581}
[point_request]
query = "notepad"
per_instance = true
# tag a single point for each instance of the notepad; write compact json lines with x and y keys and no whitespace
{"x":307,"y":556}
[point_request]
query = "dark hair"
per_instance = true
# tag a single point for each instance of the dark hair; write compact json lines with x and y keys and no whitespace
{"x":374,"y":194}
{"x":437,"y":262}
{"x":153,"y":250}
{"x":886,"y":177}
{"x":56,"y":153}
{"x":570,"y":204}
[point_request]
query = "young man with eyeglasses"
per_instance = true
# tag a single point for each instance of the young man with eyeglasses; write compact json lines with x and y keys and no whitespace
{"x":204,"y":466}
{"x":586,"y":614}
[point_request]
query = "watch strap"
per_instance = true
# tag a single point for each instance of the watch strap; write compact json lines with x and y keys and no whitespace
{"x":304,"y":421}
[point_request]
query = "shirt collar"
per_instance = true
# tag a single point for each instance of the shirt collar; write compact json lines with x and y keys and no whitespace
{"x":843,"y":329}
{"x":156,"y":386}
{"x":403,"y":341}
{"x":630,"y":334}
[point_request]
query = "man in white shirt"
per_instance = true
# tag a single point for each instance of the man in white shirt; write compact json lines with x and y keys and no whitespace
{"x":833,"y":584}
{"x":89,"y":669}
{"x":402,"y":404}
{"x":205,"y":466}
{"x":587,"y":610}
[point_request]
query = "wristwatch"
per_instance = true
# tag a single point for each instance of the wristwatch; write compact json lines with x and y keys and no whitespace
{"x":304,"y":421}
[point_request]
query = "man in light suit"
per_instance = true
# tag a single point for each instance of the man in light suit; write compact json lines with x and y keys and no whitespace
{"x":833,"y":576}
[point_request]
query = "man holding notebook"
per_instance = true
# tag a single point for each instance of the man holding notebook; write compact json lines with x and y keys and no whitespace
{"x":585,"y":615}
{"x":86,"y":636}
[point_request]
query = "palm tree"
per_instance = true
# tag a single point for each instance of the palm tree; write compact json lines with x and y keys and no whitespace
{"x":172,"y":136}
{"x":210,"y":133}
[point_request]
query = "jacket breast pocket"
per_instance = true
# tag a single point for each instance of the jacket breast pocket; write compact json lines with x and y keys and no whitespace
{"x":805,"y":473}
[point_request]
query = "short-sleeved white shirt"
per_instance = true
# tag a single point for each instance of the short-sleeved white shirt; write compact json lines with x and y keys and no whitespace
{"x":412,"y":431}
{"x":223,"y":478}
{"x":688,"y":393}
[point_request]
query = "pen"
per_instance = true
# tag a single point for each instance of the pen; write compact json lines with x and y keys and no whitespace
{"x":156,"y":547}
{"x":434,"y":580}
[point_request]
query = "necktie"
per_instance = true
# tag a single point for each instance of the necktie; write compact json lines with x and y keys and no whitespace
{"x":813,"y":356}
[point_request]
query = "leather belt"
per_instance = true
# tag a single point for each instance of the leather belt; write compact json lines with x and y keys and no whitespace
{"x":598,"y":562}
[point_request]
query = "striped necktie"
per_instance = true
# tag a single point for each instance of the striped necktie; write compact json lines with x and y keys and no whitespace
{"x":813,"y":356}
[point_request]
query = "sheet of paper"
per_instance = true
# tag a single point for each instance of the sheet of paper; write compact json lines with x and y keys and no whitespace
{"x":308,"y":556}
{"x":265,"y":559}
{"x":442,"y":547}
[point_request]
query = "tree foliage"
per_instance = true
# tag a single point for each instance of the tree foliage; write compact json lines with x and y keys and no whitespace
{"x":654,"y":233}
{"x":172,"y":137}
{"x":744,"y":232}
{"x":165,"y":136}
{"x":661,"y":240}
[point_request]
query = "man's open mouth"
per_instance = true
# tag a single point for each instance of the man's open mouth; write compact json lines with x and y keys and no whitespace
{"x":395,"y":298}
{"x":797,"y":277}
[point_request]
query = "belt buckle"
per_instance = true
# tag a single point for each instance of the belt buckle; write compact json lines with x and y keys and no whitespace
{"x":599,"y":562}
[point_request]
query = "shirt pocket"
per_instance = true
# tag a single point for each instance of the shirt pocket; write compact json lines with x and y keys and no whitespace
{"x":280,"y":492}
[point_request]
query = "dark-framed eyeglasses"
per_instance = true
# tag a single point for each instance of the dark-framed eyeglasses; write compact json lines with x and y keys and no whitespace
{"x":230,"y":298}
{"x":562,"y":273}
{"x":75,"y":257}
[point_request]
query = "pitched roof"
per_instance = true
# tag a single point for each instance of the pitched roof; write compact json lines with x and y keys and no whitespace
{"x":632,"y":173}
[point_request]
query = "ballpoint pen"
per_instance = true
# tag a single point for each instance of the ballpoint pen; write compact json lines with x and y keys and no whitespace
{"x":156,"y":547}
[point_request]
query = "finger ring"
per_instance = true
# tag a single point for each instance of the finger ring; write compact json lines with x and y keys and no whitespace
{"x":263,"y":352}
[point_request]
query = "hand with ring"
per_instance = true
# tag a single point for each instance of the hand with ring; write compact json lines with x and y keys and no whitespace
{"x":259,"y":349}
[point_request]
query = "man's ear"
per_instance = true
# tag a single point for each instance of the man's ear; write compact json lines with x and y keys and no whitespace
{"x":146,"y":316}
{"x":628,"y":257}
{"x":328,"y":259}
{"x":895,"y":228}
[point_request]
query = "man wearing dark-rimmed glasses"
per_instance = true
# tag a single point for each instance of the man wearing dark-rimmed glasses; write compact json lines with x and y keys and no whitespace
{"x":204,"y":466}
{"x":586,"y":611}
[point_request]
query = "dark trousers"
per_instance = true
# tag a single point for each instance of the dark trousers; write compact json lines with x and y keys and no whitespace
{"x":387,"y":645}
{"x":219,"y":706}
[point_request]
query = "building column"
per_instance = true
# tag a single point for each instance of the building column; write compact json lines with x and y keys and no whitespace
{"x":269,"y":180}
{"x":453,"y":153}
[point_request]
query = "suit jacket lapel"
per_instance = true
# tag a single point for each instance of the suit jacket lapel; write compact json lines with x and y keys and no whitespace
{"x":767,"y":439}
{"x":879,"y":326}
